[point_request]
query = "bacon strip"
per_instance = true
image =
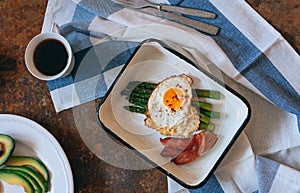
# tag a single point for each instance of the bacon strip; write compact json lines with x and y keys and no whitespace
{"x":209,"y":141}
{"x":190,"y":153}
{"x":185,"y":150}
{"x":169,"y":152}
{"x":175,"y":143}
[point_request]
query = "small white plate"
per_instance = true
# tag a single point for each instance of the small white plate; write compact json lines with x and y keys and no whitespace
{"x":33,"y":140}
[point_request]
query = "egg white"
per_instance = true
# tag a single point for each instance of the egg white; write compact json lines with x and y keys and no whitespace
{"x":180,"y":121}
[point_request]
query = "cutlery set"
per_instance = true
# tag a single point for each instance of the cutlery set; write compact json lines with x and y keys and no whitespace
{"x":173,"y":13}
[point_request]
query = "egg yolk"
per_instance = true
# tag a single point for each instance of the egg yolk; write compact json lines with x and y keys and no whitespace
{"x":172,"y":98}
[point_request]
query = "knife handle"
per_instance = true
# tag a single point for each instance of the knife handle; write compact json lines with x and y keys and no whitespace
{"x":187,"y":11}
{"x":201,"y":26}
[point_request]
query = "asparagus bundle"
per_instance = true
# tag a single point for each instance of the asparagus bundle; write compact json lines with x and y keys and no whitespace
{"x":137,"y":93}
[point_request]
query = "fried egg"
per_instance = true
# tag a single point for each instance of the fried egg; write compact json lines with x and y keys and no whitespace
{"x":169,"y":107}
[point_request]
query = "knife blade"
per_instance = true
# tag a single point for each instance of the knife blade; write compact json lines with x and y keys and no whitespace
{"x":198,"y":25}
{"x":187,"y":11}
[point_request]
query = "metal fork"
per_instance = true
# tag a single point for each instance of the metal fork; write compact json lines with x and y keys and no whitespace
{"x":138,"y":4}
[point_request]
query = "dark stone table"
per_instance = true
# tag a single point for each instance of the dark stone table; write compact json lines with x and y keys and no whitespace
{"x":22,"y":94}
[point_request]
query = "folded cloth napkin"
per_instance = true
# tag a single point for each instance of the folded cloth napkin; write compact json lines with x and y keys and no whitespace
{"x":255,"y":59}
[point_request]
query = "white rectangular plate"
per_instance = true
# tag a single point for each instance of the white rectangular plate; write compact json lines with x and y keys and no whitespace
{"x":153,"y":61}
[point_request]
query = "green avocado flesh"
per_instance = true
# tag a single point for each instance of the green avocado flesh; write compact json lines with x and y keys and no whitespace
{"x":38,"y":182}
{"x":7,"y":145}
{"x":13,"y":178}
{"x":29,"y":161}
{"x":26,"y":171}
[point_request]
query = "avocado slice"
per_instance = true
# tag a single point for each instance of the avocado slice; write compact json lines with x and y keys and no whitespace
{"x":7,"y":146}
{"x":15,"y":178}
{"x":37,"y":177}
{"x":29,"y":161}
{"x":33,"y":182}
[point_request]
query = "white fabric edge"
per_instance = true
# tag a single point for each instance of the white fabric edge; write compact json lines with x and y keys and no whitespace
{"x":257,"y":28}
{"x":174,"y":187}
{"x":48,"y":18}
{"x":288,"y":67}
{"x":52,"y":13}
{"x":67,"y":91}
{"x":238,"y":164}
{"x":286,"y":180}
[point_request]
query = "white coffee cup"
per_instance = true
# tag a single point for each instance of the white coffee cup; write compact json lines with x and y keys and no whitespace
{"x":31,"y":55}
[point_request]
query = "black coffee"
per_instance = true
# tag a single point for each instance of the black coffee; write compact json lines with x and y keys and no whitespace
{"x":50,"y":57}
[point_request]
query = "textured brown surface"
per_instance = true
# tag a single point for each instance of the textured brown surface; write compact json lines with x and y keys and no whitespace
{"x":22,"y":94}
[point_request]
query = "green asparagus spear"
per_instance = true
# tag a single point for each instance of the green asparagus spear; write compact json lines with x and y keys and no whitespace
{"x":204,"y":118}
{"x":138,"y":87}
{"x":134,"y":94}
{"x":211,"y":114}
{"x":205,"y":126}
{"x":205,"y":93}
{"x":148,"y":85}
{"x":142,"y":100}
{"x":134,"y":84}
{"x":137,"y":93}
{"x":138,"y":101}
{"x":142,"y":91}
{"x":135,"y":109}
{"x":203,"y":105}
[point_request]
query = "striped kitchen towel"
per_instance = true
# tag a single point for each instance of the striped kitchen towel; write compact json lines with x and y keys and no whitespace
{"x":255,"y":59}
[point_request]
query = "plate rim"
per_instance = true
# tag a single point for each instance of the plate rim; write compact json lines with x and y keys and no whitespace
{"x":222,"y":84}
{"x":63,"y":159}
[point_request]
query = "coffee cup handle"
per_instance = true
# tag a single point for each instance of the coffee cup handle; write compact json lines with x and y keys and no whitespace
{"x":55,"y":28}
